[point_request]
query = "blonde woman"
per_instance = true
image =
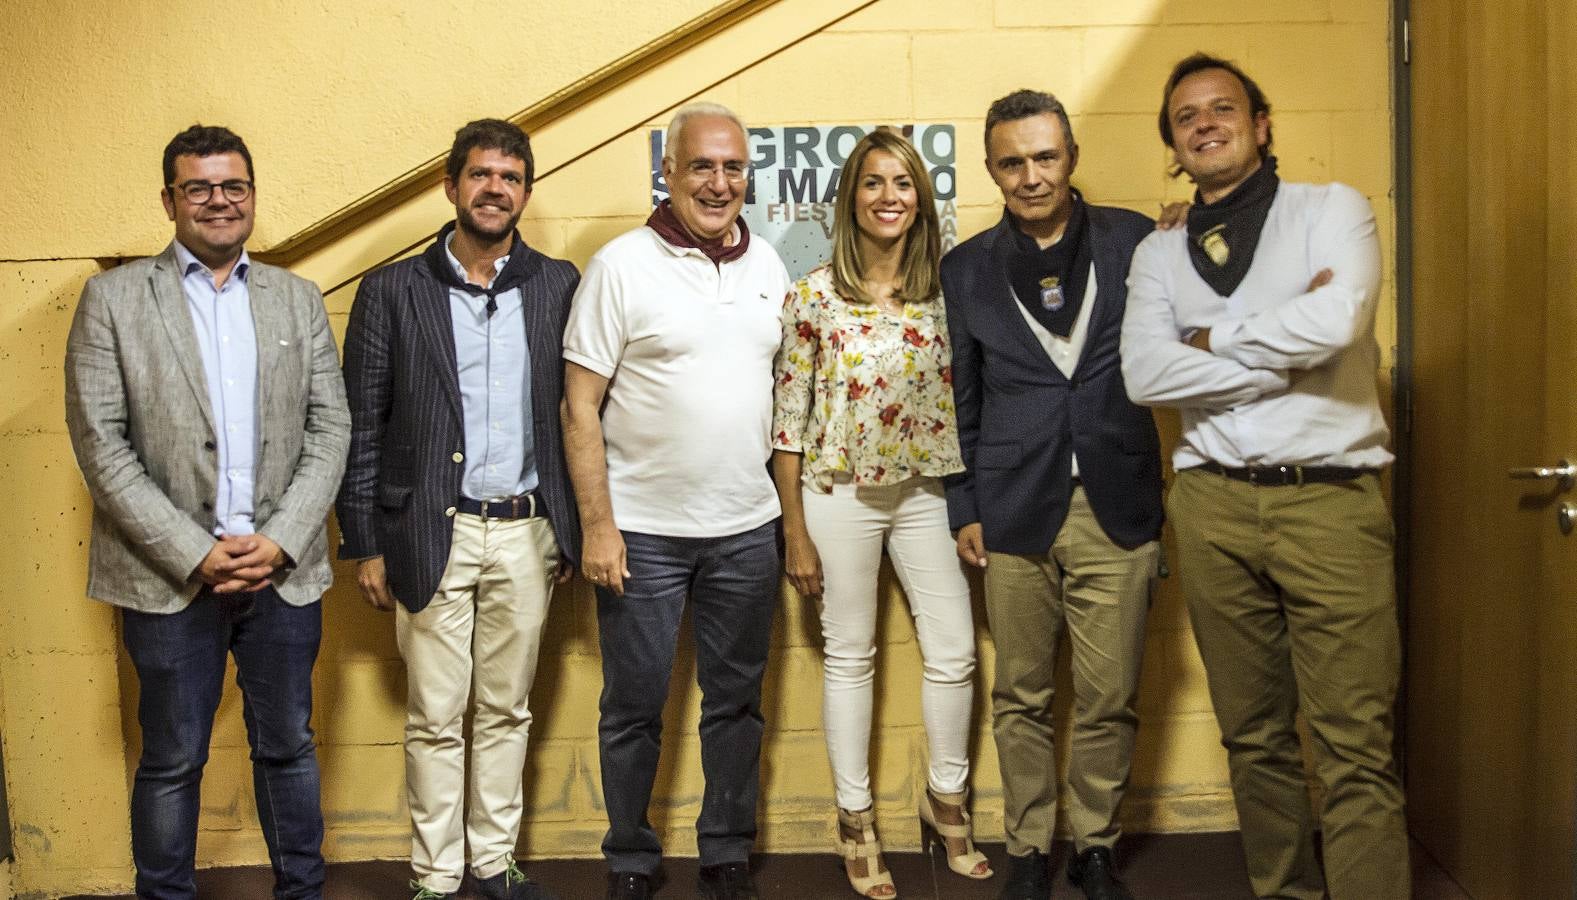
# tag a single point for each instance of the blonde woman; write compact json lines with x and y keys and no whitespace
{"x":863,"y":431}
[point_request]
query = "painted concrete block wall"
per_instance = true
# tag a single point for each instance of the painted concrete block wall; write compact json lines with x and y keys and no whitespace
{"x":67,"y":696}
{"x":334,"y":99}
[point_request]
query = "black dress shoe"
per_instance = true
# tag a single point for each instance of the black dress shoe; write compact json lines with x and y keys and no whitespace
{"x":1094,"y":871}
{"x":727,"y":881}
{"x":629,"y":886}
{"x":1029,"y":878}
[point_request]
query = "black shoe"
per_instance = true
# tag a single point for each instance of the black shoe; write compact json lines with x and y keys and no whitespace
{"x":629,"y":886}
{"x":1028,"y":879}
{"x":1094,"y":871}
{"x":512,"y":884}
{"x":727,"y":881}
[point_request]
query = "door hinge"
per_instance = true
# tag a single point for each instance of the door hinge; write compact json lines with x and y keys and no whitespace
{"x":1407,"y":42}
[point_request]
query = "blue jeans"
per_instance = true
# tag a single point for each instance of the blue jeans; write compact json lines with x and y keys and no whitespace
{"x":180,"y":662}
{"x":732,"y":584}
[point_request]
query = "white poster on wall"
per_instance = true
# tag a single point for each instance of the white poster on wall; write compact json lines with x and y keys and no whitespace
{"x":793,"y":184}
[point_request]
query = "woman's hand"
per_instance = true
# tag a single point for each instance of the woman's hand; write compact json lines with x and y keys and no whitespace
{"x":801,"y":563}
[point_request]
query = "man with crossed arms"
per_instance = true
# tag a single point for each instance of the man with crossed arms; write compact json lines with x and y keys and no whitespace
{"x":1257,"y":322}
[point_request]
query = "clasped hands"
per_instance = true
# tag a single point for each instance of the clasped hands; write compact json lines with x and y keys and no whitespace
{"x":240,"y":562}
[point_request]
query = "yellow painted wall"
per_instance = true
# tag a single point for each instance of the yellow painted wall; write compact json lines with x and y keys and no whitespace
{"x":336,"y":103}
{"x":334,"y":99}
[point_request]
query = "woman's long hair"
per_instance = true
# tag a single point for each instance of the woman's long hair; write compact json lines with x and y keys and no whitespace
{"x":922,"y":243}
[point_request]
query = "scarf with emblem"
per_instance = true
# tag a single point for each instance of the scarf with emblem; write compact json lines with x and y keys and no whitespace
{"x":1050,"y":282}
{"x":1223,"y":235}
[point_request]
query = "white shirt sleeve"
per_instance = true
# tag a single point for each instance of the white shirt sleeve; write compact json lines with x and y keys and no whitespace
{"x":597,"y":332}
{"x":1305,"y":331}
{"x":1159,"y":369}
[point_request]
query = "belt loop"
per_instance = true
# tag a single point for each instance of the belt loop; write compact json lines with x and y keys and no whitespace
{"x":484,"y":510}
{"x":531,"y":505}
{"x":1299,"y":471}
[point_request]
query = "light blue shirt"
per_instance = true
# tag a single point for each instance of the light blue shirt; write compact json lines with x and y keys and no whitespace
{"x":495,"y":389}
{"x":227,"y":341}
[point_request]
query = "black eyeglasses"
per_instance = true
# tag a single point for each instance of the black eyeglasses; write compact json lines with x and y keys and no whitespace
{"x":235,"y":190}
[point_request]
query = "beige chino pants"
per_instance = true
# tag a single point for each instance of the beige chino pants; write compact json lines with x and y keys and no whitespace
{"x":474,"y":648}
{"x":1100,"y":594}
{"x":1291,"y":591}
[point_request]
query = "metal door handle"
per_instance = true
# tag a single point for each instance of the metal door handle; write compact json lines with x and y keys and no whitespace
{"x":1565,"y":472}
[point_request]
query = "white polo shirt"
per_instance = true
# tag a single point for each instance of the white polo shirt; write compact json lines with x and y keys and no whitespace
{"x":687,"y":347}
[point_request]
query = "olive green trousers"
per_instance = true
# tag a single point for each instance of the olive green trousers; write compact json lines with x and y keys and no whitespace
{"x":1292,"y":595}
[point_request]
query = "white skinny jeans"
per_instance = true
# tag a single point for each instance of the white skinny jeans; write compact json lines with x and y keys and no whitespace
{"x":849,"y":527}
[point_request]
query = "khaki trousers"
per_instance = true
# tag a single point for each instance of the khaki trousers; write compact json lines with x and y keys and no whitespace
{"x":1292,"y":595}
{"x":1100,"y":593}
{"x":477,"y":641}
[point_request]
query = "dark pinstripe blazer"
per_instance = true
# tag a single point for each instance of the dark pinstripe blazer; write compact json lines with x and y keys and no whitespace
{"x":406,"y":422}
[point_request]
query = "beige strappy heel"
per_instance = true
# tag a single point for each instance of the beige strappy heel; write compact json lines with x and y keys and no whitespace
{"x":867,"y":848}
{"x":934,"y":831}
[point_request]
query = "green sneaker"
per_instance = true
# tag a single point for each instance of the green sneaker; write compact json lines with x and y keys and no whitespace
{"x":423,"y":892}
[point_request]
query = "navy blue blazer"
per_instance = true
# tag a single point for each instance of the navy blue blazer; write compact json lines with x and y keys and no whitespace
{"x":1020,"y":419}
{"x":403,"y":383}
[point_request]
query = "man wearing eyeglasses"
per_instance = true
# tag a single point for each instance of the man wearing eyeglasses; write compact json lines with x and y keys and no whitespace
{"x":457,"y":505}
{"x":206,"y":409}
{"x":667,"y":427}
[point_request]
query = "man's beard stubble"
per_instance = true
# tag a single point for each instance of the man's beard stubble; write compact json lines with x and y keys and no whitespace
{"x":464,"y":221}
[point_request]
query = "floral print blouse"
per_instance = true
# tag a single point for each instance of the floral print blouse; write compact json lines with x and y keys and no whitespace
{"x":861,"y":391}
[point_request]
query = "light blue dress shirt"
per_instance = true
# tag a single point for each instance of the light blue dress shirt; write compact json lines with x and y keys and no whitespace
{"x":495,"y":389}
{"x":227,"y":341}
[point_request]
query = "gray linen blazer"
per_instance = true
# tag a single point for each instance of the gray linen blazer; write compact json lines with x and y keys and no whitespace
{"x":140,"y":422}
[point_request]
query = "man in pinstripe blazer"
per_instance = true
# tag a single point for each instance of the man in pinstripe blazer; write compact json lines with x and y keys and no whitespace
{"x":205,"y":406}
{"x":456,"y":501}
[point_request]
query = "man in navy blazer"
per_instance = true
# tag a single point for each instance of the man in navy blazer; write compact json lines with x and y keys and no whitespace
{"x":457,"y":504}
{"x":1060,"y":502}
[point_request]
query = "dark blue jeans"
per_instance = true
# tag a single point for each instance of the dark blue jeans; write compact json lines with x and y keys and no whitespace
{"x":180,"y":662}
{"x":732,"y":584}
